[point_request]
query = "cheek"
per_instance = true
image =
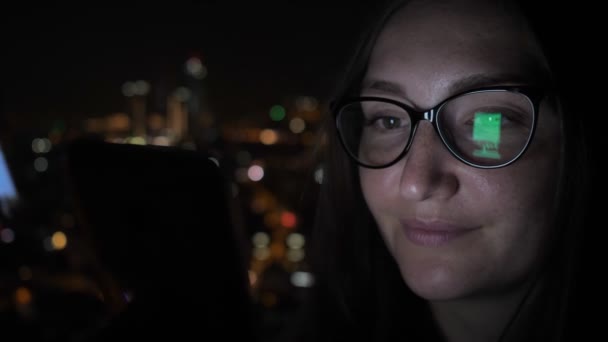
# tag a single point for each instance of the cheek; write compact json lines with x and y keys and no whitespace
{"x":519,"y":204}
{"x":521,"y":229}
{"x":381,"y":191}
{"x":530,"y":185}
{"x":379,"y":187}
{"x":527,"y":189}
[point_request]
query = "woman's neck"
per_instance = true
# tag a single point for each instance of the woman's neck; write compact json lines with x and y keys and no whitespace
{"x":485,"y":318}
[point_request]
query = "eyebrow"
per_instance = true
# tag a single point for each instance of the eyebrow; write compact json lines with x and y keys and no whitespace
{"x":485,"y":80}
{"x":467,"y":83}
{"x":385,"y":87}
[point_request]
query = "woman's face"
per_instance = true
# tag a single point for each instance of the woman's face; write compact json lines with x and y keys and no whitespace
{"x":454,"y":230}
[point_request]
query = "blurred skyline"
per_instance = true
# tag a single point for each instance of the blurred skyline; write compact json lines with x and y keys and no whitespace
{"x":73,"y":62}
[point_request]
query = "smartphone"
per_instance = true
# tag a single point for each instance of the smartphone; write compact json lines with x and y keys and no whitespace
{"x":159,"y":218}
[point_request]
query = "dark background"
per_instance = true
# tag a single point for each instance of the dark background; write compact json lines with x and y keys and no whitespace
{"x":67,"y":64}
{"x":74,"y":60}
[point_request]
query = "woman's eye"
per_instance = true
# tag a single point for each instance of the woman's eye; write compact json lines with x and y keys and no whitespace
{"x":387,"y":122}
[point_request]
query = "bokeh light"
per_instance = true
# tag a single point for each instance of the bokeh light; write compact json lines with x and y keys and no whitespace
{"x":297,"y":125}
{"x":268,"y":136}
{"x":255,"y":173}
{"x":277,"y":113}
{"x":288,"y":219}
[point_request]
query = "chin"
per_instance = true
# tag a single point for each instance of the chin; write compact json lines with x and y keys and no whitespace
{"x":438,"y":283}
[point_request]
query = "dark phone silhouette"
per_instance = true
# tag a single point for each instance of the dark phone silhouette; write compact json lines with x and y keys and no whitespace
{"x":159,"y":220}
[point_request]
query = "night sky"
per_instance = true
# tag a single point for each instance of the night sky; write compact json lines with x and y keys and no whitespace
{"x":72,"y":62}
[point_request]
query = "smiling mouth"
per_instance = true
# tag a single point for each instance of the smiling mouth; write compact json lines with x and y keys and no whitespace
{"x":433,"y":234}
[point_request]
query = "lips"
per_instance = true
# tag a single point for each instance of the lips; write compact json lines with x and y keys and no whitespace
{"x":434,"y":233}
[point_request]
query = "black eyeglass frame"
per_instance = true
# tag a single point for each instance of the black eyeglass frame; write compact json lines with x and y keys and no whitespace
{"x":533,"y":93}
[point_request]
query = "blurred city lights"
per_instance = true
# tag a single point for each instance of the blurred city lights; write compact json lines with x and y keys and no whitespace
{"x":7,"y":235}
{"x":295,"y":255}
{"x":319,"y":175}
{"x":41,"y":145}
{"x":183,"y":94}
{"x":268,"y":136}
{"x":141,"y":87}
{"x":295,"y":241}
{"x":302,"y":279}
{"x":161,"y":141}
{"x":181,"y":127}
{"x":195,"y":68}
{"x":129,"y":89}
{"x":261,"y":253}
{"x":288,"y":219}
{"x":59,"y":240}
{"x":255,"y":173}
{"x":41,"y":164}
{"x":260,"y":239}
{"x":23,"y":296}
{"x":136,"y":140}
{"x":118,"y":122}
{"x":297,"y":125}
{"x":253,"y":278}
{"x":277,"y":113}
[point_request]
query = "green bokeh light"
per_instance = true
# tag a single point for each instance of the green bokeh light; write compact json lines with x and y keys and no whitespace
{"x":277,"y":113}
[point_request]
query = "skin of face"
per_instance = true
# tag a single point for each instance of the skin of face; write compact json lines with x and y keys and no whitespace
{"x":424,"y":55}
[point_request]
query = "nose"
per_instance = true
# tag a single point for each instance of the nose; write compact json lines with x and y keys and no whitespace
{"x":427,"y":167}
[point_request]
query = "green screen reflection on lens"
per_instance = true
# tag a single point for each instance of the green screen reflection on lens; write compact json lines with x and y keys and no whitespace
{"x":486,"y":132}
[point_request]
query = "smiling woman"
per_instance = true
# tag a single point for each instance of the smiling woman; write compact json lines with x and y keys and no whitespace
{"x":488,"y":228}
{"x":455,"y":189}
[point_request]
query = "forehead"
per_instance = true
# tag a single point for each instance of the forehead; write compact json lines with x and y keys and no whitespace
{"x":437,"y":44}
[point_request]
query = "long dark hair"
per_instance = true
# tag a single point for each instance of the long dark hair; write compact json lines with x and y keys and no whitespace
{"x":355,"y":272}
{"x":359,"y":292}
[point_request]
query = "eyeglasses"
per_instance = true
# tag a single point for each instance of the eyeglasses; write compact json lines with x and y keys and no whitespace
{"x":484,"y":128}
